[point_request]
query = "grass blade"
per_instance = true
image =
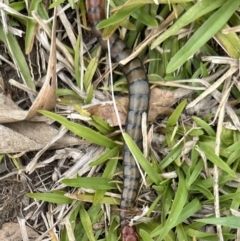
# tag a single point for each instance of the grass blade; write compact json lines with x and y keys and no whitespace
{"x":211,"y":156}
{"x":173,"y":119}
{"x":18,"y":56}
{"x":232,"y":221}
{"x":80,"y":130}
{"x":203,"y":34}
{"x":196,"y":11}
{"x":95,"y":183}
{"x":87,"y":224}
{"x":177,"y":208}
{"x":58,"y":198}
{"x":141,"y":159}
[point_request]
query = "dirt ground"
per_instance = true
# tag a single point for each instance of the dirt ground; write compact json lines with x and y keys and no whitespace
{"x":15,"y":205}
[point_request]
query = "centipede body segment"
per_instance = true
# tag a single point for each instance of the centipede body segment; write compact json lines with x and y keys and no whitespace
{"x":139,"y":94}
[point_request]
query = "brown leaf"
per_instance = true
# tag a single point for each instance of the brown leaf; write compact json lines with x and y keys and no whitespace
{"x":29,"y":136}
{"x":160,"y":104}
{"x":46,"y":98}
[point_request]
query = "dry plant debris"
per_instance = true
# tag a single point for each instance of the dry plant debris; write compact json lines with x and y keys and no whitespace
{"x":12,"y":231}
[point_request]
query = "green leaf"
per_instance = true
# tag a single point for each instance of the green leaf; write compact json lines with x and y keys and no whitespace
{"x":197,"y":235}
{"x":90,"y":198}
{"x":177,"y":208}
{"x":173,"y":119}
{"x":189,"y":210}
{"x":17,"y":55}
{"x":235,"y":155}
{"x":142,"y":16}
{"x":202,"y":189}
{"x":73,"y":216}
{"x":87,"y":224}
{"x":155,"y":202}
{"x":181,"y":233}
{"x":210,"y":27}
{"x":204,"y":125}
{"x":31,"y":27}
{"x":77,"y":50}
{"x":195,"y":173}
{"x":18,"y":6}
{"x":58,"y":198}
{"x":101,"y":125}
{"x":90,"y":71}
{"x":108,"y":173}
{"x":80,"y":130}
{"x":145,"y":236}
{"x":230,"y":43}
{"x":211,"y":156}
{"x":118,"y":17}
{"x":56,"y":3}
{"x":106,"y":156}
{"x":95,"y":183}
{"x":95,"y":214}
{"x":227,"y":136}
{"x":153,"y":175}
{"x":65,"y":91}
{"x":171,"y":156}
{"x":89,"y":91}
{"x":196,"y":11}
{"x":223,"y":198}
{"x":232,"y":221}
{"x":235,"y":146}
{"x":112,"y":232}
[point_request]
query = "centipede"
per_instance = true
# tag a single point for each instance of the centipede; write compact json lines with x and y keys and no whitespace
{"x":139,"y":94}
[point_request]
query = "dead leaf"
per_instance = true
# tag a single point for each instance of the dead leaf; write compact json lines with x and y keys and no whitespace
{"x":29,"y":136}
{"x":160,"y":104}
{"x":46,"y":98}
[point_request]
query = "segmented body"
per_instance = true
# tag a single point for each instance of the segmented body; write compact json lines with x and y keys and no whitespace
{"x":138,"y":104}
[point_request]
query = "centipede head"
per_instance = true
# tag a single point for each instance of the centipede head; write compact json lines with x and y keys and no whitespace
{"x":129,"y":233}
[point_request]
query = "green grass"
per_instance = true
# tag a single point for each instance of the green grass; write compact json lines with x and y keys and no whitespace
{"x":191,"y":172}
